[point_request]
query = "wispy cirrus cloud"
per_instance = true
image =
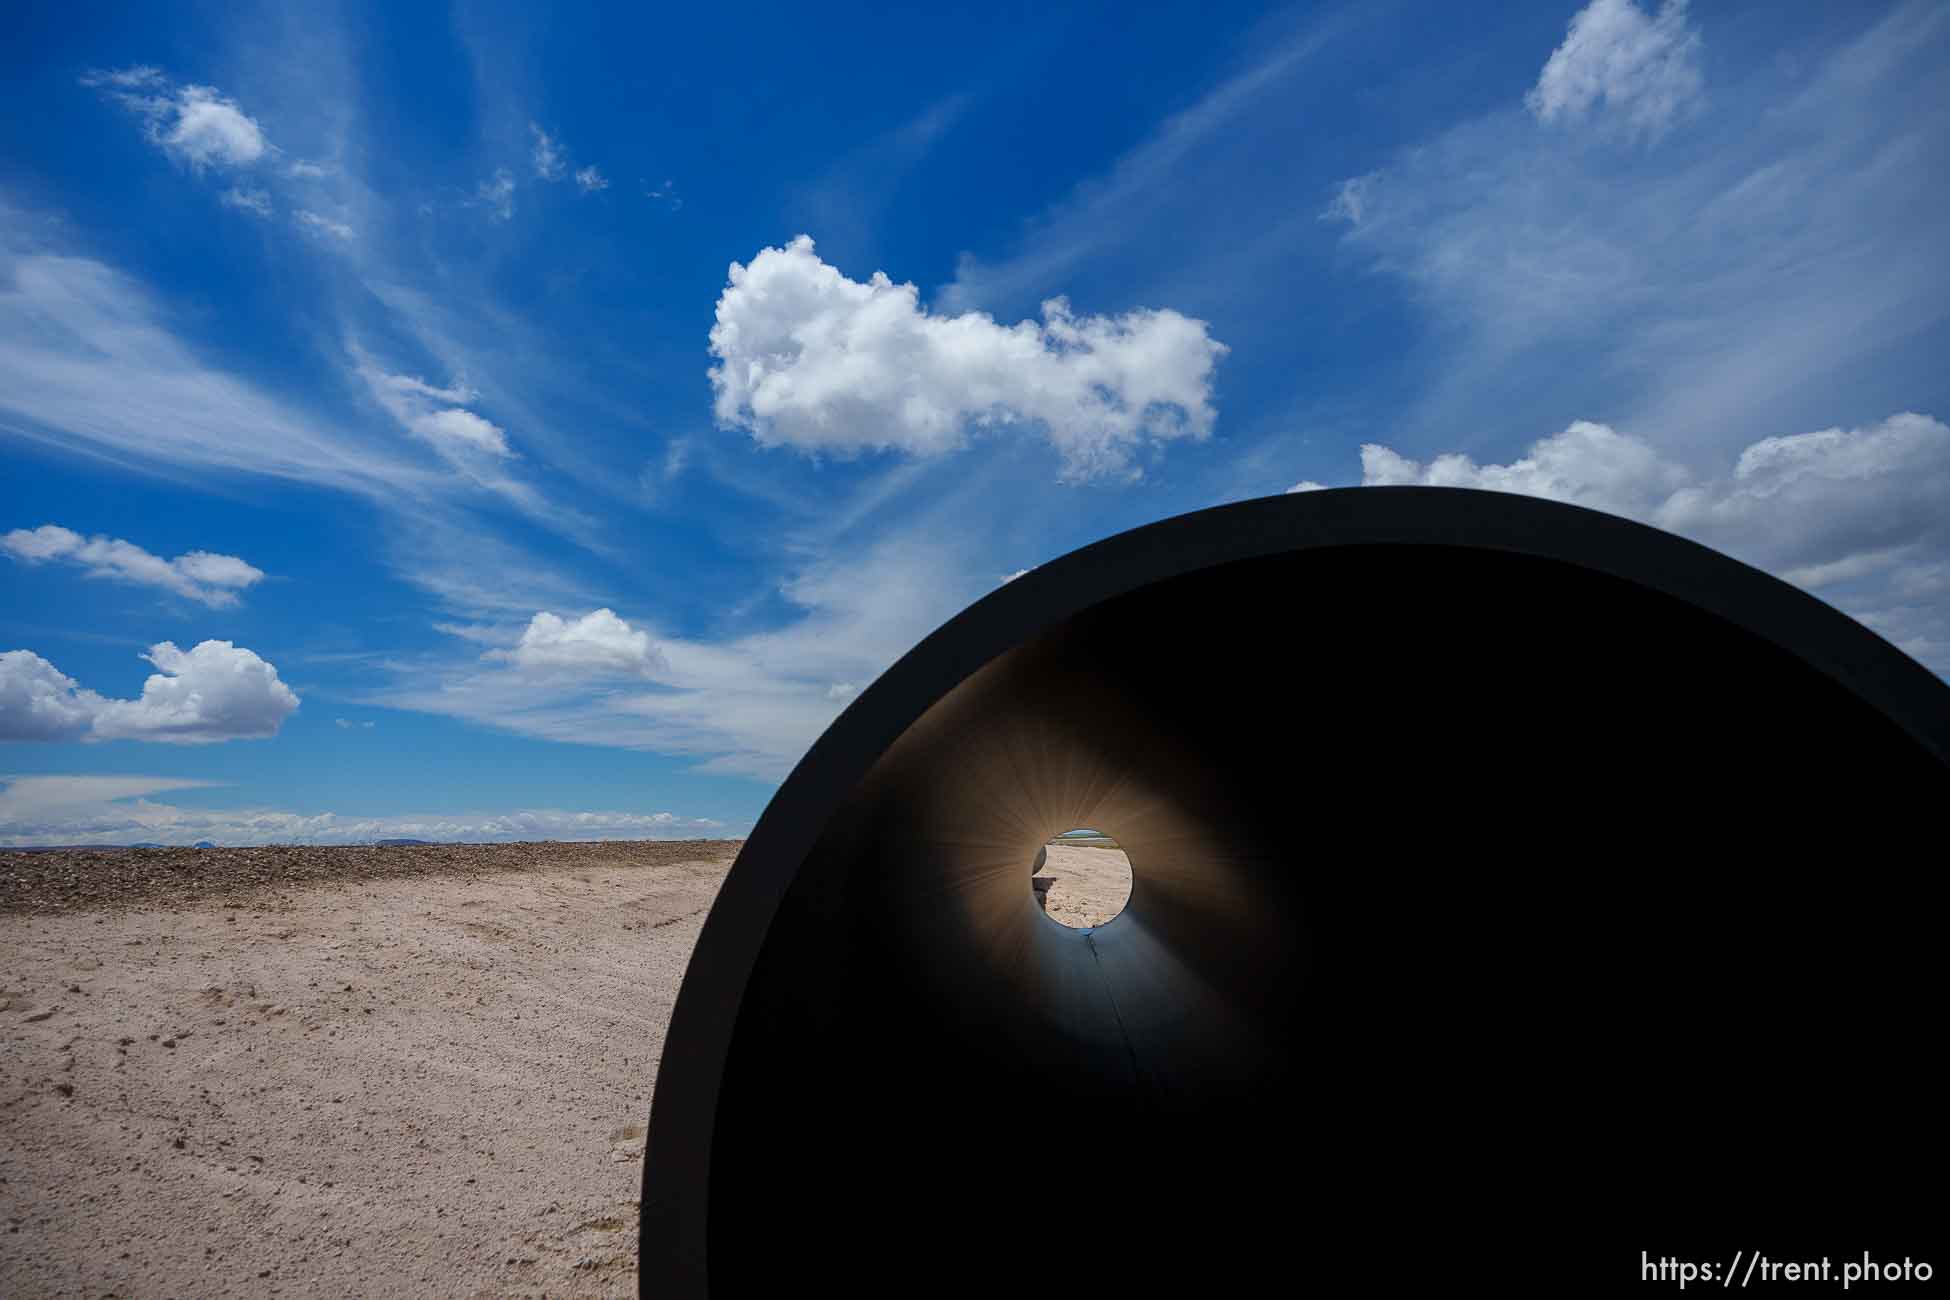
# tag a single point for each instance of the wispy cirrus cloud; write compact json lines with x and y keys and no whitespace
{"x":88,"y":362}
{"x":1638,"y":69}
{"x":846,"y":201}
{"x":436,"y":414}
{"x":747,"y":704}
{"x":1350,"y":200}
{"x":25,"y":797}
{"x":244,"y":198}
{"x":471,"y":570}
{"x":476,"y":448}
{"x":141,"y":76}
{"x":1563,"y":269}
{"x":497,"y":193}
{"x":322,"y":225}
{"x":550,"y":162}
{"x":1146,"y":181}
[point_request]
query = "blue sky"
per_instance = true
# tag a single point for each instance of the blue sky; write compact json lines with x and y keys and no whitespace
{"x":482,"y":423}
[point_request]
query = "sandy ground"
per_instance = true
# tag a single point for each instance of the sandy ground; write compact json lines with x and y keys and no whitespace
{"x":1092,"y":884}
{"x":330,"y":1072}
{"x":430,"y":1085}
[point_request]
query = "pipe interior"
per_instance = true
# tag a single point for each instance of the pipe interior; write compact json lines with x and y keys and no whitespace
{"x":1449,"y":867}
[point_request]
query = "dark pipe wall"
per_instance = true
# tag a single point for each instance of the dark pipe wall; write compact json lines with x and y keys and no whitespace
{"x":1495,"y":863}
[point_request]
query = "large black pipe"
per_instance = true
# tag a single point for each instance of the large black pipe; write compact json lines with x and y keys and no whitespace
{"x":1499,"y":866}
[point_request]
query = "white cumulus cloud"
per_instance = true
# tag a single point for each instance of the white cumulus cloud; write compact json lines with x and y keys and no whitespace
{"x":40,"y":702}
{"x":213,"y":692}
{"x":1643,"y":68}
{"x":1855,"y":514}
{"x":210,"y":128}
{"x":808,"y":358}
{"x":198,"y":125}
{"x":203,"y":576}
{"x":590,"y":179}
{"x":598,"y":642}
{"x":1587,"y":464}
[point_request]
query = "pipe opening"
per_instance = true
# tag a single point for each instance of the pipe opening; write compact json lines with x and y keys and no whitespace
{"x":1081,"y":878}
